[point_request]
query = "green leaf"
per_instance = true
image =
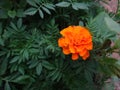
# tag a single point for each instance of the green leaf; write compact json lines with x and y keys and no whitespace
{"x":37,"y":1}
{"x":88,"y":76}
{"x":56,"y":75}
{"x":59,"y":77}
{"x":14,"y":67}
{"x":3,"y":66}
{"x":51,"y":74}
{"x":22,"y":79}
{"x":1,"y":42}
{"x":19,"y":23}
{"x":30,"y":11}
{"x":47,"y":65}
{"x":26,"y":54}
{"x":78,"y":6}
{"x":39,"y":69}
{"x":0,"y":81}
{"x":41,"y":13}
{"x":63,"y":4}
{"x":33,"y":64}
{"x":107,"y":65}
{"x":15,"y":59}
{"x":112,"y":25}
{"x":20,"y":60}
{"x":21,"y":70}
{"x":12,"y":14}
{"x":109,"y":61}
{"x":49,"y":6}
{"x":13,"y":26}
{"x":46,"y":10}
{"x":32,"y":3}
{"x":6,"y":34}
{"x":7,"y":86}
{"x":100,"y":30}
{"x":1,"y":28}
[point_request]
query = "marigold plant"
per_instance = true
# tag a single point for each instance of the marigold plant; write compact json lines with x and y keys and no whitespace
{"x":76,"y":40}
{"x":39,"y":37}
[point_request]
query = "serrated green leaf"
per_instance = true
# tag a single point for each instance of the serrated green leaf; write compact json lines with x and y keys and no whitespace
{"x":21,"y":70}
{"x":32,"y":3}
{"x":13,"y":26}
{"x":100,"y":30}
{"x":88,"y":76}
{"x":56,"y":75}
{"x":112,"y":25}
{"x":63,"y":4}
{"x":1,"y":42}
{"x":22,"y":79}
{"x":7,"y":86}
{"x":3,"y":66}
{"x":41,"y":13}
{"x":12,"y":14}
{"x":37,"y":1}
{"x":109,"y":60}
{"x":23,"y":28}
{"x":15,"y":59}
{"x":19,"y":23}
{"x":6,"y":34}
{"x":20,"y":60}
{"x":74,"y":6}
{"x":52,"y":73}
{"x":33,"y":64}
{"x":47,"y":65}
{"x":46,"y":10}
{"x":1,"y":29}
{"x":0,"y":82}
{"x":30,"y":11}
{"x":49,"y":6}
{"x":78,"y":6}
{"x":59,"y":77}
{"x":39,"y":69}
{"x":107,"y":65}
{"x":26,"y":54}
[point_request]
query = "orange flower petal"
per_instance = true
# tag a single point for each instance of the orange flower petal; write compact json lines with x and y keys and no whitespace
{"x":75,"y":56}
{"x":86,"y":56}
{"x":61,"y":42}
{"x":89,"y":46}
{"x":66,"y":51}
{"x":66,"y":31}
{"x":72,"y":49}
{"x":83,"y":52}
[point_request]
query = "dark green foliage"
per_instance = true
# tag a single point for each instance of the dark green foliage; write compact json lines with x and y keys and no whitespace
{"x":30,"y":58}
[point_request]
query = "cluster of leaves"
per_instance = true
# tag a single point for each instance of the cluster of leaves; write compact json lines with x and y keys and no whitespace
{"x":30,"y":58}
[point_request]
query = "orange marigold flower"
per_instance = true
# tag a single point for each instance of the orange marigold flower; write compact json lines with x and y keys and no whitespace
{"x":76,"y":40}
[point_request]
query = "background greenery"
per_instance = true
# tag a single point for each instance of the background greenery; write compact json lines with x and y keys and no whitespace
{"x":30,"y":58}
